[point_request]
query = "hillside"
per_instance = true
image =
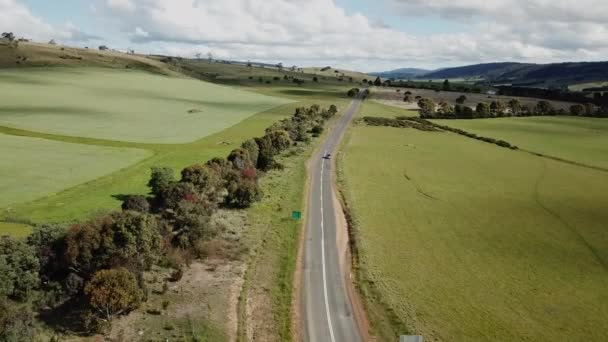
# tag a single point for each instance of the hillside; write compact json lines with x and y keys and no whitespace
{"x":27,"y":54}
{"x":403,"y":73}
{"x":510,"y":73}
{"x":522,"y":74}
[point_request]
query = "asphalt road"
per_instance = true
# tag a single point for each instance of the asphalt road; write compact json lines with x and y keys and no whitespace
{"x":327,"y":310}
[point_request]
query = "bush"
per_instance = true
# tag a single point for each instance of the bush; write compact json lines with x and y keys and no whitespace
{"x":137,"y":203}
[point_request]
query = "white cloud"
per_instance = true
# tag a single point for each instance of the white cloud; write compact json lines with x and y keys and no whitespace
{"x":320,"y":32}
{"x":17,"y":18}
{"x":121,"y":5}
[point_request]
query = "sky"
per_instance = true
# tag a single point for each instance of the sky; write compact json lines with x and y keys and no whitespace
{"x":349,"y":34}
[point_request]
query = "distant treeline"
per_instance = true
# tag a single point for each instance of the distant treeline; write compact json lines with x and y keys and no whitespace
{"x":91,"y":272}
{"x":599,"y":99}
{"x":498,"y":109}
{"x":426,"y":125}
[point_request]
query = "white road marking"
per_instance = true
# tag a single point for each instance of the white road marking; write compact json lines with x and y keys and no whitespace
{"x":331,"y":328}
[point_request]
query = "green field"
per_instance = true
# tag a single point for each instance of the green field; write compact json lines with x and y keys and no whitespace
{"x":32,"y":167}
{"x":468,"y":241}
{"x":122,"y":105}
{"x":581,"y":140}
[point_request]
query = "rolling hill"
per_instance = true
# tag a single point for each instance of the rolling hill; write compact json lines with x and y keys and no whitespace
{"x":518,"y":74}
{"x":403,"y":73}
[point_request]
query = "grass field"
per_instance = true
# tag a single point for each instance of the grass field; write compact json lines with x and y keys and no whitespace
{"x":122,"y":105}
{"x":32,"y":168}
{"x":468,"y":241}
{"x":581,"y":140}
{"x":581,"y":86}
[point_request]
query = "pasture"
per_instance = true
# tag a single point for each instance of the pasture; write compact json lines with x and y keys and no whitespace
{"x":580,"y":140}
{"x":122,"y":105}
{"x":80,"y":201}
{"x":468,"y":241}
{"x":31,"y":168}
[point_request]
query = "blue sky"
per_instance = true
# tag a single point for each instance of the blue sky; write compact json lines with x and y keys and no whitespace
{"x":356,"y":34}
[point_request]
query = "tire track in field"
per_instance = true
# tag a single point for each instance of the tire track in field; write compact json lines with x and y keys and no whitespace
{"x":418,"y":188}
{"x":565,"y":223}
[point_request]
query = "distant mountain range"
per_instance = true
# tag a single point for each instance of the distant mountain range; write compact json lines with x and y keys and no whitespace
{"x":517,"y":74}
{"x":403,"y":73}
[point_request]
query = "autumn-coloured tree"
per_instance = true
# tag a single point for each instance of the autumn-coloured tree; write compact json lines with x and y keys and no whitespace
{"x":113,"y":292}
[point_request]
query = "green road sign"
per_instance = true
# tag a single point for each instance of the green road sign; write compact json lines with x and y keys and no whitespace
{"x":296,"y":215}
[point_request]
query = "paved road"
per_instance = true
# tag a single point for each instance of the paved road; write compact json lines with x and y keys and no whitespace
{"x":327,"y":311}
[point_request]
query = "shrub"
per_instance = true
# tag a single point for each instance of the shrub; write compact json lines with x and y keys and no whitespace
{"x":137,"y":203}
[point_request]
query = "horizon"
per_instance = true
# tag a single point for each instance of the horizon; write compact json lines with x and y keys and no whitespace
{"x":355,"y":35}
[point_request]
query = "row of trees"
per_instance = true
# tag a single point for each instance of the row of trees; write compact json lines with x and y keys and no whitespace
{"x":94,"y":270}
{"x":494,"y":109}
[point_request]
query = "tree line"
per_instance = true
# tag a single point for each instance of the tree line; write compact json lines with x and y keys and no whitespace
{"x":92,"y":271}
{"x":497,"y":109}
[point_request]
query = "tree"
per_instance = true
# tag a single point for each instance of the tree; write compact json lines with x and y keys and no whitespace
{"x":461,"y":99}
{"x":464,"y":112}
{"x":515,"y":106}
{"x":544,"y":108}
{"x":266,"y":154}
{"x":352,"y":92}
{"x":243,"y":189}
{"x":590,"y":109}
{"x":497,"y":108}
{"x":160,"y":178}
{"x":113,"y":292}
{"x":103,"y":48}
{"x":482,"y":110}
{"x":427,"y":108}
{"x":280,"y":67}
{"x":191,"y":222}
{"x":446,"y":85}
{"x":577,"y":110}
{"x":407,"y":99}
{"x":333,"y":109}
{"x":280,"y":141}
{"x":445,"y":109}
{"x":8,"y":36}
{"x":18,"y":269}
{"x":48,"y":242}
{"x":378,"y":82}
{"x":52,"y":42}
{"x":240,"y":159}
{"x":17,"y":322}
{"x":137,"y":203}
{"x":252,"y":149}
{"x":117,"y":239}
{"x":210,"y":57}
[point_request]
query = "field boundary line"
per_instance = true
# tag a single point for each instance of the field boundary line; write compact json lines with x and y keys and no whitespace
{"x":566,"y":161}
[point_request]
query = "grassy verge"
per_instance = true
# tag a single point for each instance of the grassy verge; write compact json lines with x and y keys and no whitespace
{"x":385,"y":323}
{"x":265,"y":305}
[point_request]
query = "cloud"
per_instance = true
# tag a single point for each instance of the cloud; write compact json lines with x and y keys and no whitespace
{"x":121,"y":5}
{"x":17,"y":18}
{"x":319,"y":31}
